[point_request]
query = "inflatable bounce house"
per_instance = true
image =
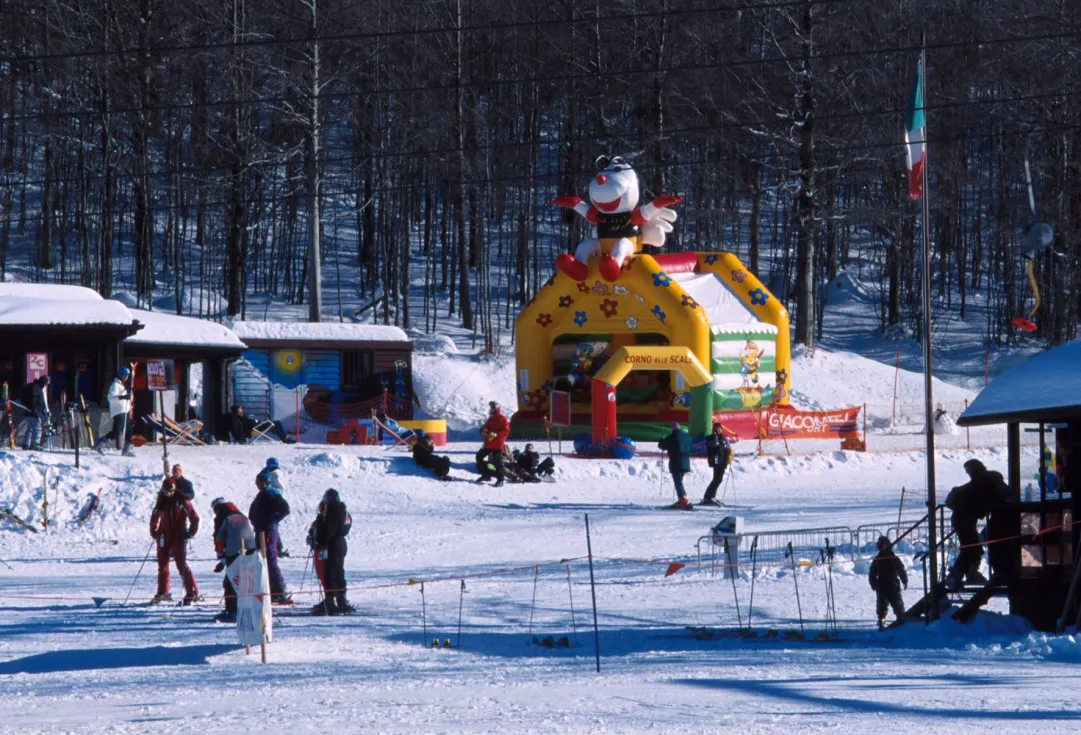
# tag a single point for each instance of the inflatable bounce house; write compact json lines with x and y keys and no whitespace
{"x":640,"y":341}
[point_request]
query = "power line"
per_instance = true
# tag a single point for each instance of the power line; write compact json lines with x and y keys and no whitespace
{"x":190,"y":172}
{"x":502,"y":82}
{"x":418,"y":32}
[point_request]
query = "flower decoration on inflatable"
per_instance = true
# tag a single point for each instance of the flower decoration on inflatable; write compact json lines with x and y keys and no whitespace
{"x":738,"y":276}
{"x":689,"y":301}
{"x":565,"y":301}
{"x":580,"y":318}
{"x":620,"y":290}
{"x":583,"y":287}
{"x":620,"y":226}
{"x":544,"y":320}
{"x":661,"y":316}
{"x":632,"y":322}
{"x":609,"y":307}
{"x":662,"y":279}
{"x":758,"y":297}
{"x":712,"y":258}
{"x":600,"y":289}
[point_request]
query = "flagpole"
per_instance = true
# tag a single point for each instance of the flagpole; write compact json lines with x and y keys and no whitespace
{"x":932,"y":500}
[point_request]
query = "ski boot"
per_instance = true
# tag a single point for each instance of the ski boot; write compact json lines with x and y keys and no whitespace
{"x":167,"y":597}
{"x":129,"y":450}
{"x":343,"y":607}
{"x":325,"y":607}
{"x":682,"y":504}
{"x":282,"y":598}
{"x":712,"y":502}
{"x":225,"y":616}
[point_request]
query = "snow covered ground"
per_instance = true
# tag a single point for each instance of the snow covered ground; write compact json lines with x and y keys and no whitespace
{"x":69,"y":666}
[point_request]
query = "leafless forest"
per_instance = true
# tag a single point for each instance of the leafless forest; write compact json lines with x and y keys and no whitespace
{"x":148,"y":146}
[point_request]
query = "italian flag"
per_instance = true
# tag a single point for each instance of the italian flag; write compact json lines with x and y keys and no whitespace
{"x":915,"y":140}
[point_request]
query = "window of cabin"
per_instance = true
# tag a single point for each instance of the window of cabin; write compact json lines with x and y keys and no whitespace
{"x":357,"y":367}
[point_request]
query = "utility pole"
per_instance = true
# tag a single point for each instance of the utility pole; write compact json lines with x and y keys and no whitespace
{"x":311,"y":178}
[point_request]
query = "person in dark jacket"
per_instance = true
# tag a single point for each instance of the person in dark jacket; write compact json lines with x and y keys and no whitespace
{"x":717,"y":452}
{"x":233,"y":535}
{"x":424,"y":455}
{"x":181,"y":483}
{"x":984,"y":493}
{"x":679,"y":447}
{"x":239,"y":428}
{"x":887,"y":577}
{"x":35,"y":398}
{"x":327,"y":537}
{"x":268,"y":510}
{"x":530,"y":466}
{"x":172,"y":523}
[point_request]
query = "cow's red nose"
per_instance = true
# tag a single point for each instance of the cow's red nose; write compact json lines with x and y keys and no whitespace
{"x":602,"y":179}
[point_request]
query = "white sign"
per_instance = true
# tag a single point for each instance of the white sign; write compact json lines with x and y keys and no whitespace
{"x":254,"y":619}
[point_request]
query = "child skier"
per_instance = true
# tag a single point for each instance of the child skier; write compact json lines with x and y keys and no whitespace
{"x":887,"y":577}
{"x":717,"y":453}
{"x":678,"y":445}
{"x":231,"y":532}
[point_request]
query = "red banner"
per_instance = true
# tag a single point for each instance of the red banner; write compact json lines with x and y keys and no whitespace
{"x":788,"y":423}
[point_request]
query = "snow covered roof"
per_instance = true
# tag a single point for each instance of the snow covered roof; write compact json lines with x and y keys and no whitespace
{"x":170,"y":329}
{"x":722,"y":306}
{"x":322,"y":332}
{"x":1046,"y":387}
{"x":35,"y":312}
{"x":50,"y":291}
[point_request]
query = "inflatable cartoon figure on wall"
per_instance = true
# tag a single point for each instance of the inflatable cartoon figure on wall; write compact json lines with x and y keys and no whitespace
{"x":620,"y":226}
{"x":582,"y":365}
{"x":750,"y":360}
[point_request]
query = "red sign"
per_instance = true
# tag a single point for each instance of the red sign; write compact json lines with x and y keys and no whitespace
{"x":782,"y":422}
{"x":159,"y":375}
{"x":560,"y":402}
{"x":37,"y":364}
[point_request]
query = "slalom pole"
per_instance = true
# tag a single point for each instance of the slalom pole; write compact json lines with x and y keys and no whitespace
{"x":461,"y":602}
{"x":791,"y":554}
{"x":304,"y":577}
{"x":754,"y":565}
{"x":570,"y":594}
{"x":533,"y":607}
{"x":140,"y":572}
{"x":593,"y":592}
{"x":733,"y":573}
{"x":833,"y":597}
{"x":423,"y":617}
{"x":826,"y":584}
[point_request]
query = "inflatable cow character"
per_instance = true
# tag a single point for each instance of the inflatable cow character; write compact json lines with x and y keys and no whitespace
{"x":620,"y":226}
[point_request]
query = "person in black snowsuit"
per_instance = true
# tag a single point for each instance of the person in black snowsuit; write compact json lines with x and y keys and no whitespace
{"x":984,"y":493}
{"x":35,"y":398}
{"x":239,"y":428}
{"x":530,"y":466}
{"x":717,"y":452}
{"x":887,"y":577}
{"x":425,"y":457}
{"x":268,"y":510}
{"x":328,"y":533}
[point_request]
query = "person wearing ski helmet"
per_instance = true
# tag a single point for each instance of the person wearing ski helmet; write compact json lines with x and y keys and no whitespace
{"x":679,"y":447}
{"x":268,"y":509}
{"x":887,"y":576}
{"x":233,"y":535}
{"x":327,"y":539}
{"x":717,"y":452}
{"x":494,"y":431}
{"x":172,"y":523}
{"x":119,"y":398}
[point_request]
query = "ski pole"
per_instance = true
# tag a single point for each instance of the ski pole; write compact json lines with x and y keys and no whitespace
{"x":826,"y":584}
{"x":570,"y":593}
{"x":423,"y":616}
{"x":790,"y":554}
{"x":139,"y":573}
{"x":732,"y":573}
{"x":829,"y":567}
{"x":754,"y":565}
{"x":304,"y":577}
{"x":536,"y":573}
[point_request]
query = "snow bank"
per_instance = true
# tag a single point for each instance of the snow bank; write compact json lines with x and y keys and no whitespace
{"x":458,"y":387}
{"x":321,"y":332}
{"x":1049,"y":380}
{"x":29,"y":311}
{"x":163,"y":328}
{"x":52,"y":292}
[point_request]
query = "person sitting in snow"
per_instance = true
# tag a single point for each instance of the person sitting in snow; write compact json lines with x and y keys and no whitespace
{"x":268,"y":510}
{"x":494,"y":431}
{"x":887,"y":576}
{"x":172,"y":523}
{"x":529,"y":464}
{"x":425,"y":457}
{"x":232,"y":534}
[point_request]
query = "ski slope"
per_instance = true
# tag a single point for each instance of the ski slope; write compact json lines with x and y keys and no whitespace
{"x":69,"y":666}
